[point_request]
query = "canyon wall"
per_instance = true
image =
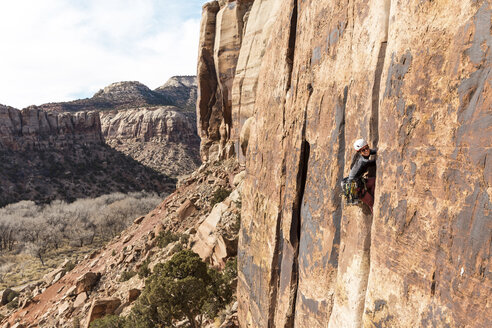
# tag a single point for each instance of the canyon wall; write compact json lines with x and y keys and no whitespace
{"x":311,"y":77}
{"x":161,"y":138}
{"x":33,"y":128}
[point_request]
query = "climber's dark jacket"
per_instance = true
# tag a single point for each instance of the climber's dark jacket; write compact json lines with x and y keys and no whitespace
{"x":361,"y":164}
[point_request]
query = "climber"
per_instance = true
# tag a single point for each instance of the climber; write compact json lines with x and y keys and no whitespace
{"x":364,"y":169}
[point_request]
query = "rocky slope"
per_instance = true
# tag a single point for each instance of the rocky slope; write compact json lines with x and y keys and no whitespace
{"x":291,"y":85}
{"x":182,"y":92}
{"x":94,"y":286}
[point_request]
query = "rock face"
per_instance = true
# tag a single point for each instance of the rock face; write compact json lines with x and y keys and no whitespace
{"x":221,"y":34}
{"x":50,"y":155}
{"x":102,"y":307}
{"x":162,"y":138}
{"x":32,"y":128}
{"x":315,"y":77}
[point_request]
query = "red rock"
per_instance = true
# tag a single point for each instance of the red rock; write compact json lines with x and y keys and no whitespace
{"x":86,"y":282}
{"x":101,"y":308}
{"x":80,"y":300}
{"x":139,"y":220}
{"x":133,"y":294}
{"x":314,"y":76}
{"x":186,"y":209}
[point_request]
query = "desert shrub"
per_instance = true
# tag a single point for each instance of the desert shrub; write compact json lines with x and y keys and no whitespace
{"x":127,"y":275}
{"x":236,"y":225}
{"x":182,"y":288}
{"x":11,"y":295}
{"x":166,"y":237}
{"x":219,"y":195}
{"x":70,"y":265}
{"x":144,"y":270}
{"x":14,"y":304}
{"x":39,"y":228}
{"x":109,"y":321}
{"x":76,"y":323}
{"x":230,"y":270}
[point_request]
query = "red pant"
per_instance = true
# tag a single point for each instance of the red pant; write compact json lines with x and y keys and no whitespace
{"x":368,"y":197}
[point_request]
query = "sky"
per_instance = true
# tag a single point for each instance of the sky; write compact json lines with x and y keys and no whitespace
{"x":61,"y":50}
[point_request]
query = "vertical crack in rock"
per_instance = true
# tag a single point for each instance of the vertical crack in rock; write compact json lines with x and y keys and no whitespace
{"x":373,"y":128}
{"x":295,"y":232}
{"x":275,"y":272}
{"x":292,"y":45}
{"x":433,"y":285}
{"x":337,"y":215}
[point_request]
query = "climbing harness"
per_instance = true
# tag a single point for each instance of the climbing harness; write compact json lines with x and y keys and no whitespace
{"x":353,"y":190}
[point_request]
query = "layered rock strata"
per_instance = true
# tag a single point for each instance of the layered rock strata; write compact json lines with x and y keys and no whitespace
{"x":50,"y":155}
{"x":413,"y":78}
{"x":57,"y":150}
{"x":162,"y":138}
{"x":36,"y":129}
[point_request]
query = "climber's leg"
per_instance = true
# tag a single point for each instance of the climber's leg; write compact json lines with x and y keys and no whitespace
{"x":368,"y":197}
{"x":371,"y":185}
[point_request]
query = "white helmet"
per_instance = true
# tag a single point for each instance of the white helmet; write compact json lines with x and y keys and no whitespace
{"x":358,"y":144}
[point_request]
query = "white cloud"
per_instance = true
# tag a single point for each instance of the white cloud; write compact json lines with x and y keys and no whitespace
{"x":58,"y":50}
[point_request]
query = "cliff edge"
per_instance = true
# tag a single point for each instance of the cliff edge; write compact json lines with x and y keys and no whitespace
{"x":287,"y":86}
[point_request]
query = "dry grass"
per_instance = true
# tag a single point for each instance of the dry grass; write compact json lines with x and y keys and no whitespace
{"x":24,"y":269}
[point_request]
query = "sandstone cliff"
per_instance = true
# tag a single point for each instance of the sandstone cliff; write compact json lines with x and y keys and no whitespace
{"x":32,"y":128}
{"x":292,"y":84}
{"x":161,"y":138}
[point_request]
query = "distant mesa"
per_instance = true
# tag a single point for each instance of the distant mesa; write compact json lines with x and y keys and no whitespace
{"x":178,"y":91}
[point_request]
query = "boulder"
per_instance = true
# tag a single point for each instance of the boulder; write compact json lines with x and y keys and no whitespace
{"x":102,"y":307}
{"x":80,"y":300}
{"x":64,"y":307}
{"x":50,"y":277}
{"x":86,"y":282}
{"x":186,"y":209}
{"x":206,"y":241}
{"x":138,"y":220}
{"x":133,"y":294}
{"x":238,"y":178}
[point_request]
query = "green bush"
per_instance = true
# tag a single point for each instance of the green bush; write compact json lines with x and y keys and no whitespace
{"x":166,"y":237}
{"x":14,"y":304}
{"x":219,"y":195}
{"x":144,"y":271}
{"x":11,"y":294}
{"x":109,"y":321}
{"x":182,"y":288}
{"x":76,"y":323}
{"x":127,"y":275}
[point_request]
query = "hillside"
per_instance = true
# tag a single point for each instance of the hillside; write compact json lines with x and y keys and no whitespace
{"x":179,"y":91}
{"x":108,"y":277}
